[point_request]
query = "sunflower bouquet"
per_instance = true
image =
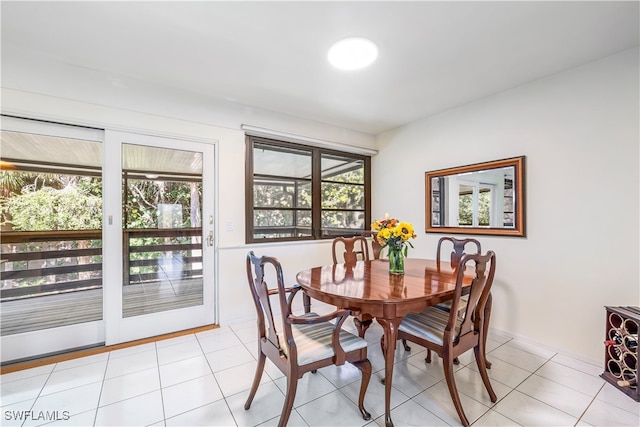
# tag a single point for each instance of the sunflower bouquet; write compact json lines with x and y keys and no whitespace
{"x":395,"y":236}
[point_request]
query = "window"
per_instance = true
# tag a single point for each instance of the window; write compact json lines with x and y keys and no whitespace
{"x":474,"y":204}
{"x":297,"y":192}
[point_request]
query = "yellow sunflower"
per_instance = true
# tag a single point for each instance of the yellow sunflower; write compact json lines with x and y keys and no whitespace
{"x":405,"y":231}
{"x":384,"y":234}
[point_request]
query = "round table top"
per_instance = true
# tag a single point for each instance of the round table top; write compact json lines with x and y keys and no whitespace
{"x":370,"y":282}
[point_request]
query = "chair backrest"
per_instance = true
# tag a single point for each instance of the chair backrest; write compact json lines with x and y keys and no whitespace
{"x":483,"y":272}
{"x":459,"y":246}
{"x":376,"y":247}
{"x":269,"y":334}
{"x":355,"y":249}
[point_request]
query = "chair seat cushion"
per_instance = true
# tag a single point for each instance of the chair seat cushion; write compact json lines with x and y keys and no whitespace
{"x":429,"y":324}
{"x":314,"y":341}
{"x":446,"y":306}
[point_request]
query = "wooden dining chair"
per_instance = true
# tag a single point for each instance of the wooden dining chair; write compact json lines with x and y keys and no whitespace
{"x":298,"y":344}
{"x":353,"y":249}
{"x":459,"y":249}
{"x":450,"y":334}
{"x":372,"y":239}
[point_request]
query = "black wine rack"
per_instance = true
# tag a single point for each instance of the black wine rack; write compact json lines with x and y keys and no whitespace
{"x":621,"y":349}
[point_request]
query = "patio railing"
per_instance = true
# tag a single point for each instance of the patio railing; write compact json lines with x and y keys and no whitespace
{"x":37,"y":263}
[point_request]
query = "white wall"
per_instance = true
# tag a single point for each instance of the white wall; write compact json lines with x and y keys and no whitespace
{"x":580,"y":132}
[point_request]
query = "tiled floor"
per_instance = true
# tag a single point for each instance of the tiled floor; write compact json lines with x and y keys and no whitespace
{"x":203,"y":379}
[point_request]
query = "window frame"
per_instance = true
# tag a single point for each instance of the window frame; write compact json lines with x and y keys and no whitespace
{"x":316,"y":189}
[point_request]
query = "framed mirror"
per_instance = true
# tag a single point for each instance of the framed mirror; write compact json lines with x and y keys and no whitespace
{"x":483,"y":198}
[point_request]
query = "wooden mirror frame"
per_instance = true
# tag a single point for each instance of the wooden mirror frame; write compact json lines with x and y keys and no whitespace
{"x":519,"y":199}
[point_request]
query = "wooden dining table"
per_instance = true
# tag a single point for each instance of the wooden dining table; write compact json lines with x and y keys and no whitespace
{"x":371,"y":292}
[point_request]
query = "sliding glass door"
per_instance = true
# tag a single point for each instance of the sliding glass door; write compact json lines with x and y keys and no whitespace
{"x":106,"y":237}
{"x":166,"y":230}
{"x":51,"y":252}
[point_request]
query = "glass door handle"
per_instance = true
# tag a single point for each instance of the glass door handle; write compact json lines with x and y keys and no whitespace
{"x":210,"y":239}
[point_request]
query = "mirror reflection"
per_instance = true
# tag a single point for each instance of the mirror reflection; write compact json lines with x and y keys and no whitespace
{"x":485,"y":198}
{"x":474,"y":199}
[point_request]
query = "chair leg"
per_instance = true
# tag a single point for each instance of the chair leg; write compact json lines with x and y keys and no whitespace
{"x":256,"y":380}
{"x":365,"y":368}
{"x":405,"y":345}
{"x":290,"y":395}
{"x":485,"y":328}
{"x":482,"y":367}
{"x":428,"y":358}
{"x":453,"y":390}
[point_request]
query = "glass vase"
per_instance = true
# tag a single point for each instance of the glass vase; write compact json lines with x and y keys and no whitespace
{"x":396,"y":261}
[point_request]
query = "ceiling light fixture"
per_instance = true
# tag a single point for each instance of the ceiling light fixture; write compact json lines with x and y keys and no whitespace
{"x":352,"y":53}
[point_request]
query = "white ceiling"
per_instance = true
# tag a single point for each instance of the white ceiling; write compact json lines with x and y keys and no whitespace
{"x":272,"y":55}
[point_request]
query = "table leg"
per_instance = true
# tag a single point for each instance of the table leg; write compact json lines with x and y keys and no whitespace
{"x":390,"y":327}
{"x":362,"y":323}
{"x":306,"y":302}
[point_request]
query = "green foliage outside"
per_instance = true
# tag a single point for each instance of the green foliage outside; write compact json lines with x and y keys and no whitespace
{"x":340,"y":194}
{"x":465,"y":209}
{"x":42,"y":202}
{"x":144,"y":196}
{"x":52,"y":209}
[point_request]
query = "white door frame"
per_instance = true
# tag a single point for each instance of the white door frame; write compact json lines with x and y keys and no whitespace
{"x":117,"y":328}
